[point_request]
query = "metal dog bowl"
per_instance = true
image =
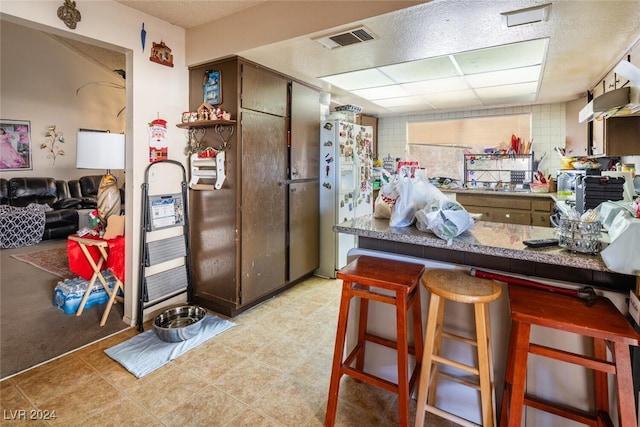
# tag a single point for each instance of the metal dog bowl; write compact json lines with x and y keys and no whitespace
{"x":180,"y":323}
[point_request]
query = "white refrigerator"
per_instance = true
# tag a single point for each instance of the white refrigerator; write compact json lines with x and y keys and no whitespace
{"x":346,"y":188}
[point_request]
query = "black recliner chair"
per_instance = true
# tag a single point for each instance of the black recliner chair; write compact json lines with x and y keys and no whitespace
{"x":86,"y":190}
{"x":59,"y":222}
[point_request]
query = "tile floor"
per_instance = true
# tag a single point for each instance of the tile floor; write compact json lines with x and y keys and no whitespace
{"x":271,"y":369}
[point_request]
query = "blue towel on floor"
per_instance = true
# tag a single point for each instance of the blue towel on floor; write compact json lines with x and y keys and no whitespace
{"x":146,"y":352}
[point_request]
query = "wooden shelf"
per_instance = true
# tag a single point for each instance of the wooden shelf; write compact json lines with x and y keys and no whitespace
{"x":205,"y":123}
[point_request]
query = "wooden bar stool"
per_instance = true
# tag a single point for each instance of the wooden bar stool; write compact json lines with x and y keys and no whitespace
{"x":456,"y":285}
{"x":359,"y":277}
{"x":602,"y":322}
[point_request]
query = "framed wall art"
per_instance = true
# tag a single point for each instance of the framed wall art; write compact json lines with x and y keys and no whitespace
{"x":212,"y":87}
{"x":15,"y":145}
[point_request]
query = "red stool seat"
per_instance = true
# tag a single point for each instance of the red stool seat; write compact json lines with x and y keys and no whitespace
{"x":602,"y":322}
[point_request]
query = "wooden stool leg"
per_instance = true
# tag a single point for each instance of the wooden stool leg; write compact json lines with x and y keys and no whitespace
{"x":437,"y":347}
{"x":403,"y":358}
{"x":336,"y":367}
{"x":624,"y":381}
{"x":601,"y":384}
{"x":430,"y":334}
{"x":508,"y":375}
{"x":490,"y":359}
{"x":362,"y":331}
{"x":519,"y":376}
{"x":484,"y":364}
{"x":416,"y":313}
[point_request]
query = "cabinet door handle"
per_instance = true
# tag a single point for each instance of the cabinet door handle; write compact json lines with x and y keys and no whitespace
{"x":507,"y":215}
{"x":293,"y":190}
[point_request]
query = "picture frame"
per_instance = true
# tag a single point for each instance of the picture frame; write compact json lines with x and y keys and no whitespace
{"x":212,"y":85}
{"x":16,"y":150}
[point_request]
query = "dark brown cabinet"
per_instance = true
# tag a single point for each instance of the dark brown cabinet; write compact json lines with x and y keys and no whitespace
{"x":263,"y":203}
{"x":243,"y":236}
{"x":304,"y":228}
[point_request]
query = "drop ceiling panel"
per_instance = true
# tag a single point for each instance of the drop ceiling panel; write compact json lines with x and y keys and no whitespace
{"x":515,"y":55}
{"x":437,"y":86}
{"x":359,"y":79}
{"x":447,"y":100}
{"x":382,"y":92}
{"x":504,"y":77}
{"x":507,"y":90}
{"x":426,"y":69}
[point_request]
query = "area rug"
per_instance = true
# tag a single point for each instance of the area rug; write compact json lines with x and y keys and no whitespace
{"x":146,"y":352}
{"x":54,"y":261}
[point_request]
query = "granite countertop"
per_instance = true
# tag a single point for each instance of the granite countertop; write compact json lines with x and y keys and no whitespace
{"x":487,"y":238}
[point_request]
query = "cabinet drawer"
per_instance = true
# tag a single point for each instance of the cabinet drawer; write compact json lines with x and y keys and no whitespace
{"x":541,"y":219}
{"x":542,"y":205}
{"x":486,"y":213}
{"x":511,"y":217}
{"x":494,"y":201}
{"x":508,"y":216}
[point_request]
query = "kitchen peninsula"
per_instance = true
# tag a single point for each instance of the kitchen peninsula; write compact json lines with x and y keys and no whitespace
{"x":492,"y":245}
{"x":497,"y":247}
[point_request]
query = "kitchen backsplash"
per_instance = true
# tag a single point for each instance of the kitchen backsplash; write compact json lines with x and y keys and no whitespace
{"x":548,"y":131}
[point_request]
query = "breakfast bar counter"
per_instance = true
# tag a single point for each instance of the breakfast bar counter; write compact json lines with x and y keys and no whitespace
{"x":490,"y":245}
{"x":494,"y":247}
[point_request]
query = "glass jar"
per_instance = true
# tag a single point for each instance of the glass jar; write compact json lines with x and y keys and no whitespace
{"x":564,"y":186}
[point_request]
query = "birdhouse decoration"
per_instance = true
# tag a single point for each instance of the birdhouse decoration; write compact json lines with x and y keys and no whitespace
{"x":161,"y":54}
{"x":158,"y":149}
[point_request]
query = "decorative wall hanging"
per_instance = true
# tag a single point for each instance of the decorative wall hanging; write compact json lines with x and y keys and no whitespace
{"x":158,"y":149}
{"x":69,"y":14}
{"x":212,"y":87}
{"x":161,"y":54}
{"x":143,"y":36}
{"x":15,"y":145}
{"x":53,"y":139}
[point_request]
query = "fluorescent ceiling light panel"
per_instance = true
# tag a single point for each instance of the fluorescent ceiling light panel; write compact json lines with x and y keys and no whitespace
{"x":410,"y":101}
{"x":424,"y":69}
{"x":515,"y":55}
{"x":453,"y":99}
{"x":392,"y":91}
{"x":437,"y":86}
{"x":504,"y":77}
{"x":527,"y":16}
{"x":509,"y":73}
{"x":507,"y":90}
{"x":359,"y":79}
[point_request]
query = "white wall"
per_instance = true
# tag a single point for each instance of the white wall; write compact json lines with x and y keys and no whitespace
{"x":153,"y":91}
{"x":40,"y":77}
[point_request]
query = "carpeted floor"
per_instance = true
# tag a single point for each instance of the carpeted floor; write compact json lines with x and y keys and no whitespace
{"x":32,"y":329}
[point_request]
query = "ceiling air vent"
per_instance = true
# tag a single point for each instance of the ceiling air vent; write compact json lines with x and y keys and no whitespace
{"x":346,"y":38}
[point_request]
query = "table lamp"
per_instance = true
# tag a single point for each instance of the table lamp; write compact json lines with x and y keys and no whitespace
{"x":103,"y":150}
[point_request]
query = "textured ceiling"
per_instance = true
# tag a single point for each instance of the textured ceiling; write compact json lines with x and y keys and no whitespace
{"x":586,"y":38}
{"x":187,"y":13}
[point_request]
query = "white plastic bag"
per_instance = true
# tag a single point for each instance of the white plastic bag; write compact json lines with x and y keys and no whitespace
{"x":414,"y":193}
{"x":445,"y":218}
